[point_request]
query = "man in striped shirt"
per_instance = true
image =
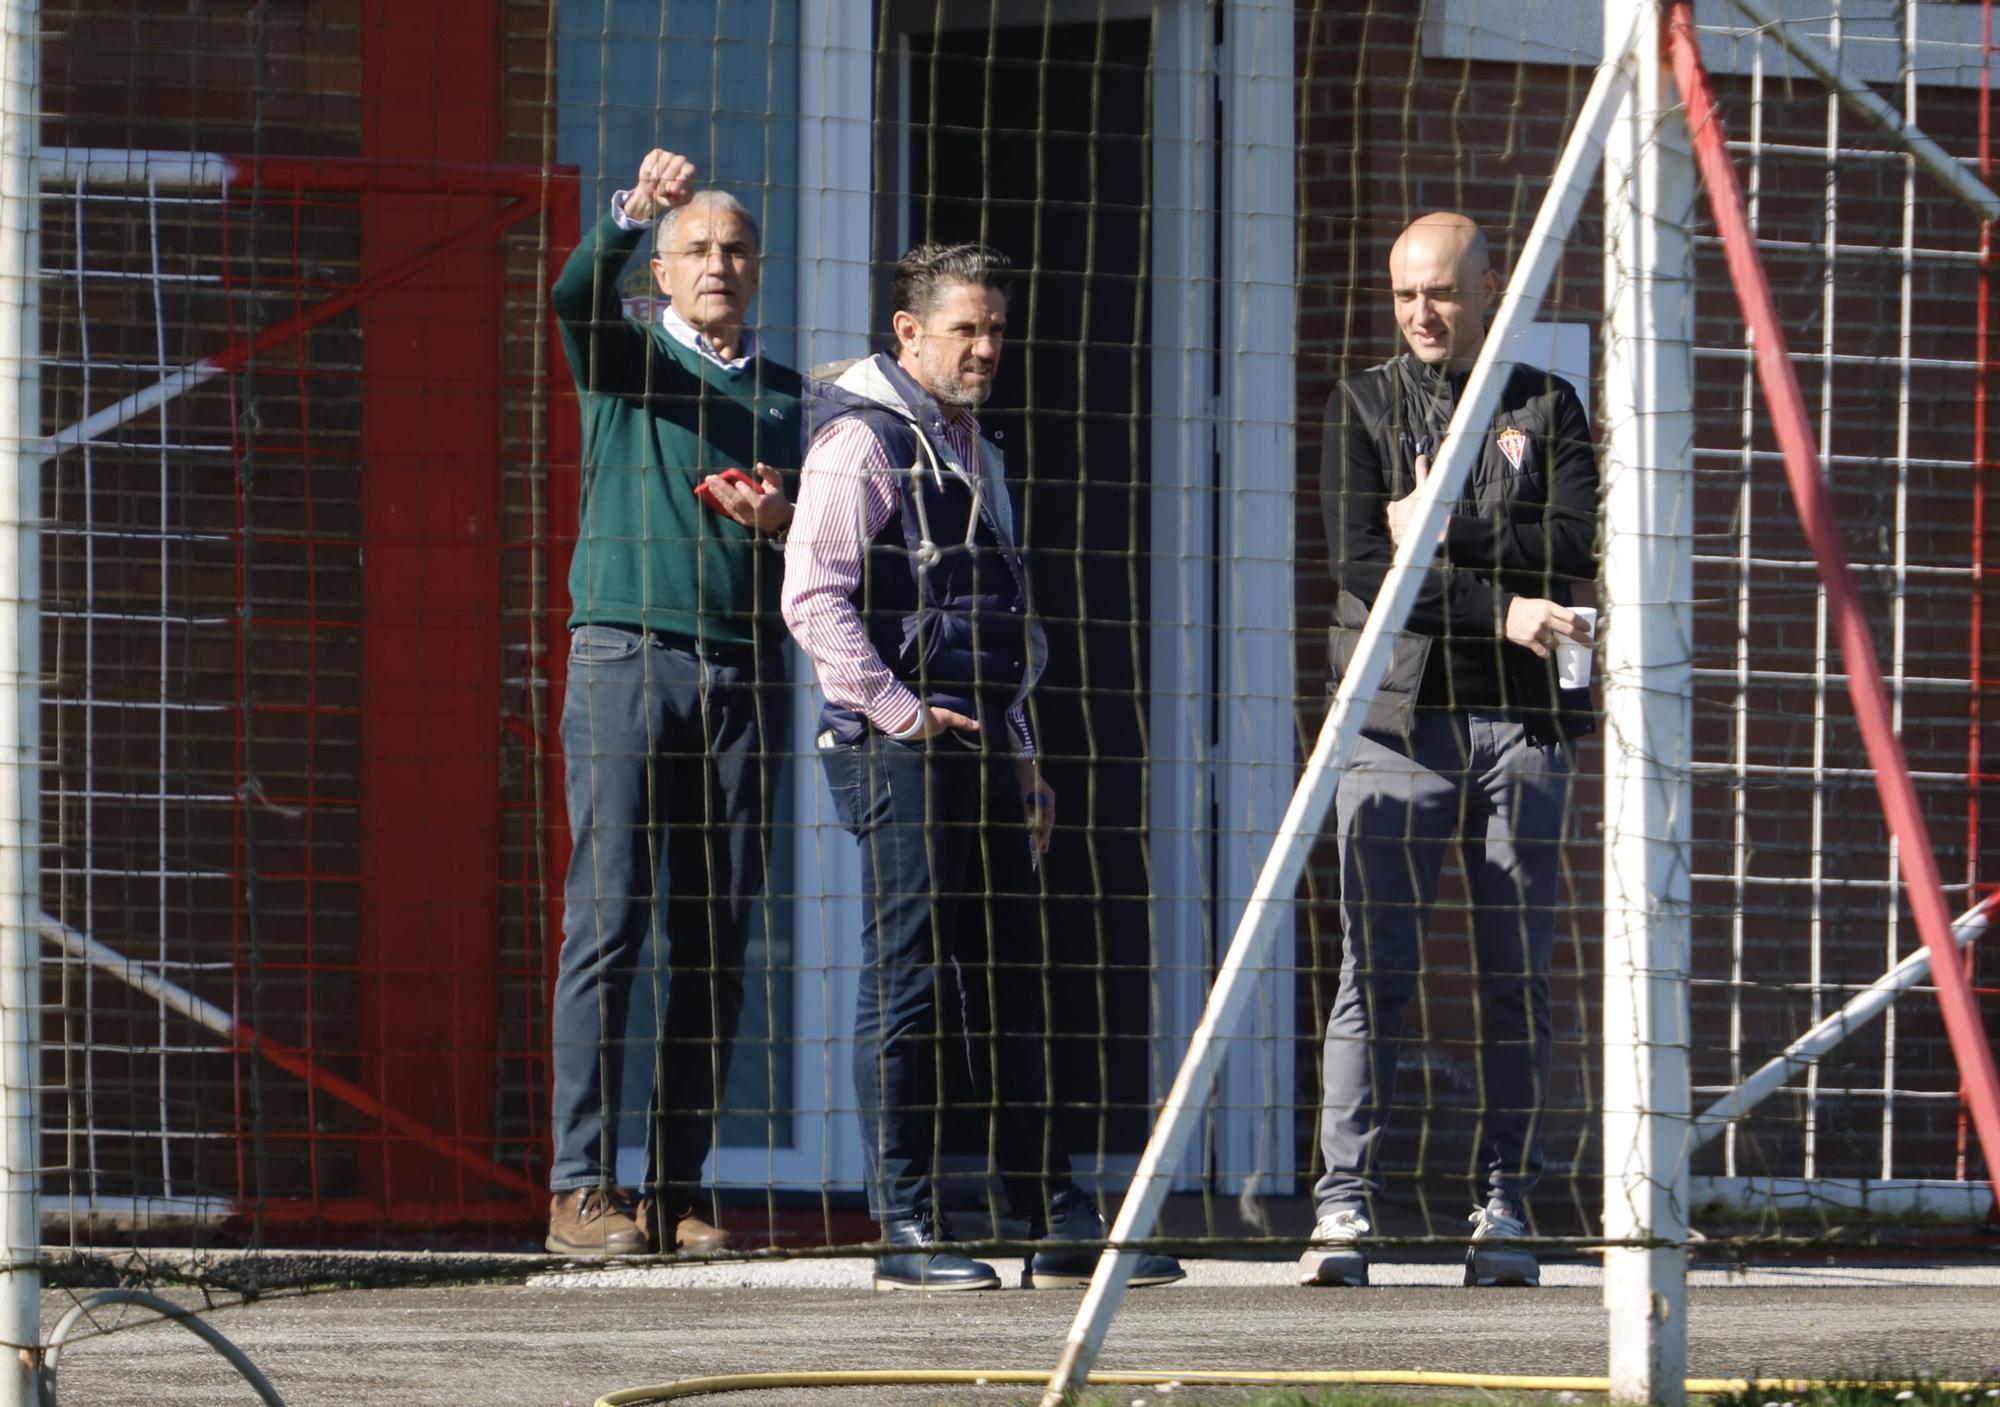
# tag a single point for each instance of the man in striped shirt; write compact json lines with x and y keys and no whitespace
{"x":904,"y":586}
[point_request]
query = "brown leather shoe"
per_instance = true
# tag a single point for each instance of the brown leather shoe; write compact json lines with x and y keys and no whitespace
{"x":596,"y":1222}
{"x":692,"y":1235}
{"x":695,"y":1237}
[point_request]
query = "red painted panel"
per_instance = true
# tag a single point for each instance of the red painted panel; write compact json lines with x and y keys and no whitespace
{"x":431,"y":73}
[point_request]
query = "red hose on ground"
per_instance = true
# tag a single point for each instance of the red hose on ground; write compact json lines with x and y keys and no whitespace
{"x":1864,"y":671}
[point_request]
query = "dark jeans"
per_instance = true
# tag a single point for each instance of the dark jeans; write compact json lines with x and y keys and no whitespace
{"x":1476,"y":779}
{"x":929,"y":816}
{"x":669,"y":788}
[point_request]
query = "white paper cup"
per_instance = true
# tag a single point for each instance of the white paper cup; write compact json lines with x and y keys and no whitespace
{"x":1572,"y":659}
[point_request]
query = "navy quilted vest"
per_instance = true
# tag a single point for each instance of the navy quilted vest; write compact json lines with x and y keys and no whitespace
{"x":947,"y":613}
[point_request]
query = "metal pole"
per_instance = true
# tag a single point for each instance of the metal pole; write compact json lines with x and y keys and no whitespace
{"x":1648,"y":676}
{"x":20,"y":694}
{"x":171,"y":997}
{"x":1819,"y":1039}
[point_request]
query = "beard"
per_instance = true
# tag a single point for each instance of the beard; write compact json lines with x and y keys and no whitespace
{"x":944,"y":384}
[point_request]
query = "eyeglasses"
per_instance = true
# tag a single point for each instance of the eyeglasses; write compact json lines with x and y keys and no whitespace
{"x":733,"y":252}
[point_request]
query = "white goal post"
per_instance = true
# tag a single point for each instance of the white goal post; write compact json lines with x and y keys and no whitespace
{"x":20,"y":697}
{"x":1648,"y":653}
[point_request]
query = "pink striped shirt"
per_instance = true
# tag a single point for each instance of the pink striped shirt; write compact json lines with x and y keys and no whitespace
{"x":847,"y":494}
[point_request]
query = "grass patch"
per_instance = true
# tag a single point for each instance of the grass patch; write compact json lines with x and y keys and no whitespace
{"x":1217,"y":1395}
{"x":1909,"y":1392}
{"x":1886,"y":1392}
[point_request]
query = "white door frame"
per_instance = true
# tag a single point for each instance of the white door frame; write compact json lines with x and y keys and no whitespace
{"x":1224,"y":491}
{"x":1181,"y":715}
{"x":1224,"y":757}
{"x":1258,"y":767}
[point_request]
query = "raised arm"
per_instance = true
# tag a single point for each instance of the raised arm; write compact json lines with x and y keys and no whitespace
{"x":606,"y":350}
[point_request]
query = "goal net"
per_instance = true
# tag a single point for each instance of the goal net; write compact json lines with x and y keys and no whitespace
{"x":319,"y":457}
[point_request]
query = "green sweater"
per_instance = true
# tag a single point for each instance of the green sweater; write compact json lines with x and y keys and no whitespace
{"x":657,"y":418}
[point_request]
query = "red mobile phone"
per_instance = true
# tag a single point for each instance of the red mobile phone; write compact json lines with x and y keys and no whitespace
{"x":734,"y":476}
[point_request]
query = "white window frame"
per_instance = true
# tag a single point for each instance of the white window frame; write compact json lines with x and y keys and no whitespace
{"x":836,"y":203}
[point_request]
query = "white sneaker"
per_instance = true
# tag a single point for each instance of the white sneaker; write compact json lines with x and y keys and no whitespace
{"x":1491,"y":1259}
{"x":1332,"y":1257}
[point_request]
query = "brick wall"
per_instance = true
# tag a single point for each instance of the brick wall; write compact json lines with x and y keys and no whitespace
{"x":245,"y":533}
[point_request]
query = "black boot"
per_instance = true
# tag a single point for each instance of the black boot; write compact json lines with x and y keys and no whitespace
{"x":922,"y":1268}
{"x":1073,"y":1218}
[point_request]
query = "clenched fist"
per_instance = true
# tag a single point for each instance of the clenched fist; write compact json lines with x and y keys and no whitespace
{"x":665,"y":181}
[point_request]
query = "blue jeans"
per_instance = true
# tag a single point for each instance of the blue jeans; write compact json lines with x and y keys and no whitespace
{"x":928,"y":816}
{"x":669,"y":788}
{"x":1478,"y":780}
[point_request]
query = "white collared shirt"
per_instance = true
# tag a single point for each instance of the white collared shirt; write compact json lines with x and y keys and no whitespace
{"x":688,"y":335}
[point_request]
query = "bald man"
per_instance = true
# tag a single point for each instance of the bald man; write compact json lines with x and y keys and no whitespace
{"x":1469,"y":742}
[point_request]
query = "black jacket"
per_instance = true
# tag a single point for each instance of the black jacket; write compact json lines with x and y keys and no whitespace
{"x":1525,"y":525}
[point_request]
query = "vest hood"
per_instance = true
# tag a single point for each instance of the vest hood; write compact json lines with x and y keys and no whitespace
{"x":839,"y":389}
{"x":875,"y":385}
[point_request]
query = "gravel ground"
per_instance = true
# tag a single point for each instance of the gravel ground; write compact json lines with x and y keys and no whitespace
{"x":563,"y":1340}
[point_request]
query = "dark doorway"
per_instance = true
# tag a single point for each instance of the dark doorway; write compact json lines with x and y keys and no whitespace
{"x":1036,"y":139}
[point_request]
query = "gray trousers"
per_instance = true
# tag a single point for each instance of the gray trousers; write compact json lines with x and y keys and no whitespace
{"x":1475,"y":779}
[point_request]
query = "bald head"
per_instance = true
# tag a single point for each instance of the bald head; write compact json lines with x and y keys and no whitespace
{"x":1443,"y":285}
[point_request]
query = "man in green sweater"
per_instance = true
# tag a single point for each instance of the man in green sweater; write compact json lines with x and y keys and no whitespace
{"x":676,"y":685}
